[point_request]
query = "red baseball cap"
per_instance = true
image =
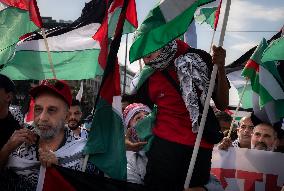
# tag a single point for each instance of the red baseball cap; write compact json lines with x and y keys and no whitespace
{"x":59,"y":87}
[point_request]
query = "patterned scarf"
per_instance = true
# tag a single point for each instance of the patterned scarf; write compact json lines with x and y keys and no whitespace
{"x":193,"y":76}
{"x":165,"y":57}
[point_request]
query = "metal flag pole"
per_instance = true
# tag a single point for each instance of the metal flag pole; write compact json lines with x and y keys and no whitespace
{"x":125,"y":65}
{"x":207,"y":101}
{"x":48,"y":53}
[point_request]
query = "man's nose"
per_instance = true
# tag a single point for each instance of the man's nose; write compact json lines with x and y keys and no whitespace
{"x":261,"y":139}
{"x":43,"y":116}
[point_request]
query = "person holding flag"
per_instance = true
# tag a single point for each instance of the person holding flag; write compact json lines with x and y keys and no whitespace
{"x":176,"y":79}
{"x":178,"y":112}
{"x":178,"y":86}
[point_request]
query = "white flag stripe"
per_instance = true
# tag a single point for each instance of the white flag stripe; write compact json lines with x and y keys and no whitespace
{"x":78,"y":39}
{"x":176,"y":7}
{"x":236,"y":79}
{"x":3,"y":6}
{"x":267,"y":80}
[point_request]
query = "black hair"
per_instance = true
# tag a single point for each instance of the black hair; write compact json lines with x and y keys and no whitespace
{"x":224,"y":116}
{"x":75,"y":103}
{"x":7,"y":84}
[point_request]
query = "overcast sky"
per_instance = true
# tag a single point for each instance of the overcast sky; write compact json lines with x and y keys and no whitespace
{"x":249,"y":21}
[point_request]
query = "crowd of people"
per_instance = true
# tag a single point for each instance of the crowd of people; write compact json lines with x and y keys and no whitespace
{"x":173,"y":96}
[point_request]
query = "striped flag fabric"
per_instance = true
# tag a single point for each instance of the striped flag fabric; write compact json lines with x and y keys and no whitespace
{"x":209,"y":14}
{"x":106,"y":144}
{"x":170,"y":18}
{"x":75,"y":49}
{"x":267,"y":86}
{"x":18,"y":17}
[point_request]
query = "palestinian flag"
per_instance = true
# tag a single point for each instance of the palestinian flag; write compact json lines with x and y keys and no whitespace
{"x":59,"y":178}
{"x":18,"y":17}
{"x":106,"y":145}
{"x":166,"y":22}
{"x":75,"y":49}
{"x":267,"y":86}
{"x":234,"y":71}
{"x":209,"y":15}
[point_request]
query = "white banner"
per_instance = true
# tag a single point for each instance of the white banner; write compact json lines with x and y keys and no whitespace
{"x":248,"y":169}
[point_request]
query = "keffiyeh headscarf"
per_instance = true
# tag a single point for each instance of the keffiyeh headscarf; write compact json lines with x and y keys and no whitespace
{"x":129,"y":112}
{"x":17,"y":114}
{"x":165,"y":57}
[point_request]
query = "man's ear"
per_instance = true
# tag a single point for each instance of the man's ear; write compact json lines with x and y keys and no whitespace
{"x":277,"y":142}
{"x":9,"y":97}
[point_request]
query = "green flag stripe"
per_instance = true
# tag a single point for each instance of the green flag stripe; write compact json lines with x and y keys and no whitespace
{"x":258,"y":88}
{"x":70,"y":65}
{"x":247,"y":97}
{"x":275,"y":51}
{"x":153,"y":40}
{"x":249,"y":72}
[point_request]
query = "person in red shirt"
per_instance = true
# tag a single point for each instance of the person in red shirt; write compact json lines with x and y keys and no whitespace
{"x":178,"y":87}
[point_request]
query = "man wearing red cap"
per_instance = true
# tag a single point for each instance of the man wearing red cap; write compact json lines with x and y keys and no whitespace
{"x":56,"y":144}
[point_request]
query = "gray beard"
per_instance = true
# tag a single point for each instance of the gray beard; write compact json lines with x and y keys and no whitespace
{"x":50,"y":133}
{"x":262,"y":146}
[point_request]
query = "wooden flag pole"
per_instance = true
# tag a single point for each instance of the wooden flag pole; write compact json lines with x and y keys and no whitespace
{"x":140,"y":65}
{"x":48,"y":53}
{"x":237,"y":109}
{"x":86,"y":158}
{"x":211,"y":44}
{"x":207,"y":101}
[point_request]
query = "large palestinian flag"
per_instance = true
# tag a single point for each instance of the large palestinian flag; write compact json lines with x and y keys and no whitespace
{"x":166,"y":22}
{"x":17,"y":18}
{"x":75,"y":49}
